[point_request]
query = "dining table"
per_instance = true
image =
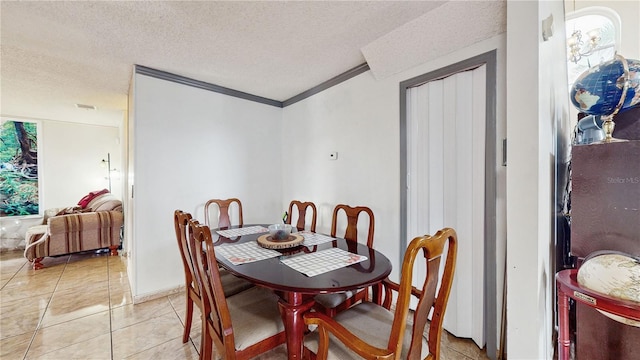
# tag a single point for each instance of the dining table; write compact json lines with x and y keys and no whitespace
{"x":363,"y":267}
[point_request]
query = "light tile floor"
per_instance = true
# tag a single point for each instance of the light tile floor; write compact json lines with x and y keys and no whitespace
{"x":80,"y":307}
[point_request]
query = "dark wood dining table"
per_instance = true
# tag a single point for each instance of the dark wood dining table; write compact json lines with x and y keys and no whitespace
{"x":296,"y":290}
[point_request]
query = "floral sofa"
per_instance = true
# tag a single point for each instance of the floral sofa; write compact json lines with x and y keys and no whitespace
{"x":93,"y":225}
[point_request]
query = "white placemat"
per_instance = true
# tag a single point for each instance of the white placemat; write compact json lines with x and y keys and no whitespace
{"x":242,"y":231}
{"x":244,"y":253}
{"x":311,"y":239}
{"x":323,"y":261}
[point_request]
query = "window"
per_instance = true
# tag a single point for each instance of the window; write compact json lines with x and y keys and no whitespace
{"x":20,"y":186}
{"x":593,"y":36}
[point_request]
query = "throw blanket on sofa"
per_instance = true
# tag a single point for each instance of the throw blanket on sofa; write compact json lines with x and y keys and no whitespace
{"x":77,"y":232}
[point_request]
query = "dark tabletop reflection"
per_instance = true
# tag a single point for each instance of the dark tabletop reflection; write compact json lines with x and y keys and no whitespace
{"x":273,"y":274}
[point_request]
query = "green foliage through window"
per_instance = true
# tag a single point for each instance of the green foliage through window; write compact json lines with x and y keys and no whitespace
{"x":18,"y":168}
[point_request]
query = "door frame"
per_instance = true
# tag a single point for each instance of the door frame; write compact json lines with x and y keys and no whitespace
{"x":490,"y":266}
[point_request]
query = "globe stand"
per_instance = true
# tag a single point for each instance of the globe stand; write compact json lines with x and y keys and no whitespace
{"x":623,"y":83}
{"x":607,"y":126}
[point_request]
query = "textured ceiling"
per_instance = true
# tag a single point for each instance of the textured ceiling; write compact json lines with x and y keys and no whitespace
{"x":59,"y":53}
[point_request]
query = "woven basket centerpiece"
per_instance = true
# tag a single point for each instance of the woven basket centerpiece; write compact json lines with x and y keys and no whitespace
{"x":269,"y":242}
{"x":280,"y":237}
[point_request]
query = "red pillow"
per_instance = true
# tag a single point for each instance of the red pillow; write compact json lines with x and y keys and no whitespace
{"x":92,"y":195}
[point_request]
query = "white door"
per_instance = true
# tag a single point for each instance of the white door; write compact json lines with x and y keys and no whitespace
{"x":446,"y":184}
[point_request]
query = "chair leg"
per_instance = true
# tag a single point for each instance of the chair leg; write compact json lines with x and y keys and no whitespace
{"x":188,"y":319}
{"x":206,"y":343}
{"x":564,"y":342}
{"x":113,"y":250}
{"x":37,"y":263}
{"x":308,"y":354}
{"x":376,"y":294}
{"x":323,"y":343}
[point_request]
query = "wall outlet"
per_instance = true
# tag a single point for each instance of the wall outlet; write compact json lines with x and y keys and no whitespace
{"x":333,"y":155}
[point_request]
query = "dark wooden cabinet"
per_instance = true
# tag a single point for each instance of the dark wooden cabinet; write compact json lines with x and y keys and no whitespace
{"x":605,"y":215}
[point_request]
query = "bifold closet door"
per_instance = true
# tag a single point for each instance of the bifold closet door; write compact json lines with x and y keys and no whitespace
{"x":446,"y":182}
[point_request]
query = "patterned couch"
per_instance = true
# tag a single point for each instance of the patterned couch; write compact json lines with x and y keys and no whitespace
{"x":95,"y":225}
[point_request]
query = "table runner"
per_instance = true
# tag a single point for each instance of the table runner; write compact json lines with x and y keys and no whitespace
{"x":323,"y":261}
{"x":311,"y":239}
{"x":244,"y":253}
{"x":242,"y":231}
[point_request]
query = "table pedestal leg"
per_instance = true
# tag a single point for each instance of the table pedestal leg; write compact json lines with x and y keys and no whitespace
{"x":563,"y":337}
{"x":292,"y":306}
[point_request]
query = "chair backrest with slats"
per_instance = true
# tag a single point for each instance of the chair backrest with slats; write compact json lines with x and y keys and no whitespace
{"x":181,"y":223}
{"x":433,"y":249}
{"x":224,"y":206}
{"x":352,"y":214}
{"x":214,"y":302}
{"x":302,"y":208}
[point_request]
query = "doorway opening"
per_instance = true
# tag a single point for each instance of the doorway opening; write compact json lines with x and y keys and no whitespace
{"x":430,"y":172}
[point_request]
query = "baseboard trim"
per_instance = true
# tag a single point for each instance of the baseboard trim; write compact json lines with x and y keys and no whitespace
{"x":156,"y":295}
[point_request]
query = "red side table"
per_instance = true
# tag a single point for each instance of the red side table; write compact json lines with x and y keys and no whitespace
{"x":568,"y":287}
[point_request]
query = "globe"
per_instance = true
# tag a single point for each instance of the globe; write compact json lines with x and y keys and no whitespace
{"x":598,"y":90}
{"x":614,"y":274}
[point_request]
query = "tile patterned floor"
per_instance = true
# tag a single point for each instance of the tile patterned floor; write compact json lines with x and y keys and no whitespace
{"x":80,"y":307}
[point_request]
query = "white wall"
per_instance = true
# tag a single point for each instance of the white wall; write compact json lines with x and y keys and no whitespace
{"x":192,"y":145}
{"x":536,"y":99}
{"x":360,"y":119}
{"x":70,"y":168}
{"x":72,"y":161}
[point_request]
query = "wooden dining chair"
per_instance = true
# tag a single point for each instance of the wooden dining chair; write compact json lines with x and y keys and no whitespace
{"x":331,"y":304}
{"x":372,"y":331}
{"x":302,"y":208}
{"x":353,"y":215}
{"x":242,"y":326}
{"x":192,"y":290}
{"x":224,"y":207}
{"x":231,"y":284}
